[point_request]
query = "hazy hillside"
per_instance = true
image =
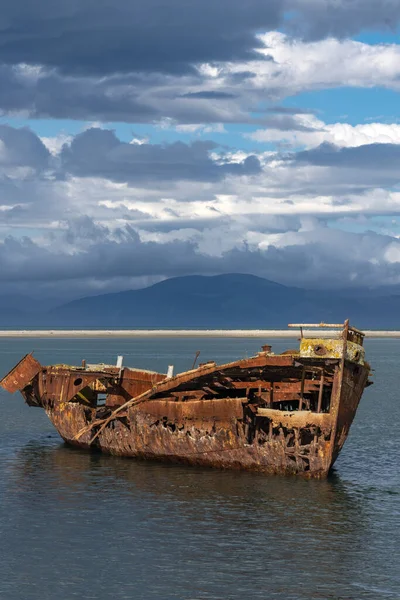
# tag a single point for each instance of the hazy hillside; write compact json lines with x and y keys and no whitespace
{"x":222,"y":301}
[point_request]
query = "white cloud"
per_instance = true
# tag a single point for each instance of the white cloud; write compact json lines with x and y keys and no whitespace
{"x":392,"y":253}
{"x":200,"y":128}
{"x":189,"y":128}
{"x":288,"y":66}
{"x":207,"y":70}
{"x":55,"y":143}
{"x":312,"y":132}
{"x":136,"y":141}
{"x":299,"y":65}
{"x":3,"y":151}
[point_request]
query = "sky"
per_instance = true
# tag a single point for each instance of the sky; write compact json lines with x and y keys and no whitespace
{"x":142,"y":140}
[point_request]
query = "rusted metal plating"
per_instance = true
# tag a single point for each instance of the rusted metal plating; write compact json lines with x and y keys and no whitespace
{"x":21,"y":374}
{"x":287,"y":413}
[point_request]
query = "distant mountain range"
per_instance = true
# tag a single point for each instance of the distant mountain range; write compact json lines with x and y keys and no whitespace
{"x":221,"y":301}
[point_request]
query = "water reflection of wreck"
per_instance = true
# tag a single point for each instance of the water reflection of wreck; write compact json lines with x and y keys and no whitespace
{"x":286,"y":413}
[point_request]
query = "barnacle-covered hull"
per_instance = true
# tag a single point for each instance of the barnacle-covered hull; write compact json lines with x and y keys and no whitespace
{"x":287,"y":413}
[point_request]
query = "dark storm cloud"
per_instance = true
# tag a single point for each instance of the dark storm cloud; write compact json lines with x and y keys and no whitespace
{"x":109,"y":36}
{"x":341,"y":18}
{"x":290,"y":110}
{"x":99,"y":153}
{"x":111,"y":60}
{"x":255,"y":222}
{"x":22,"y":148}
{"x":101,"y":260}
{"x":167,"y":225}
{"x":302,"y":264}
{"x":134,"y":98}
{"x":240,"y":76}
{"x":285,"y":121}
{"x":51,"y":95}
{"x":369,"y":156}
{"x":24,"y":190}
{"x":209,"y":95}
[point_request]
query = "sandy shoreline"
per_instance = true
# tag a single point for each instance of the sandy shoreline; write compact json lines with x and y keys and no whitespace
{"x":167,"y":333}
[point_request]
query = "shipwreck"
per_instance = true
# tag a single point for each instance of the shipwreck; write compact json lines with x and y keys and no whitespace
{"x":288,"y":413}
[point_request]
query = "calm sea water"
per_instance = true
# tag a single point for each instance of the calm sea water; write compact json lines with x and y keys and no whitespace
{"x":79,"y":525}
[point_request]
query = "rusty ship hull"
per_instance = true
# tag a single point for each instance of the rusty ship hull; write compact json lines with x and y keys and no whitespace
{"x":287,"y":413}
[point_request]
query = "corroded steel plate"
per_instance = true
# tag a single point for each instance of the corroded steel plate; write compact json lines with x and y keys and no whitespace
{"x":21,"y":374}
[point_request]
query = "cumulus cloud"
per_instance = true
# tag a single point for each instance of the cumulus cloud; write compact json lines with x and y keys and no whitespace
{"x":308,"y":131}
{"x":22,"y":148}
{"x":98,"y":152}
{"x":290,"y":65}
{"x":177,"y":186}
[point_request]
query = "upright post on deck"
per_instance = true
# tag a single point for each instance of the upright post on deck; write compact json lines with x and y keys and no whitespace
{"x":303,"y":375}
{"x":321,"y":392}
{"x":271,"y":395}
